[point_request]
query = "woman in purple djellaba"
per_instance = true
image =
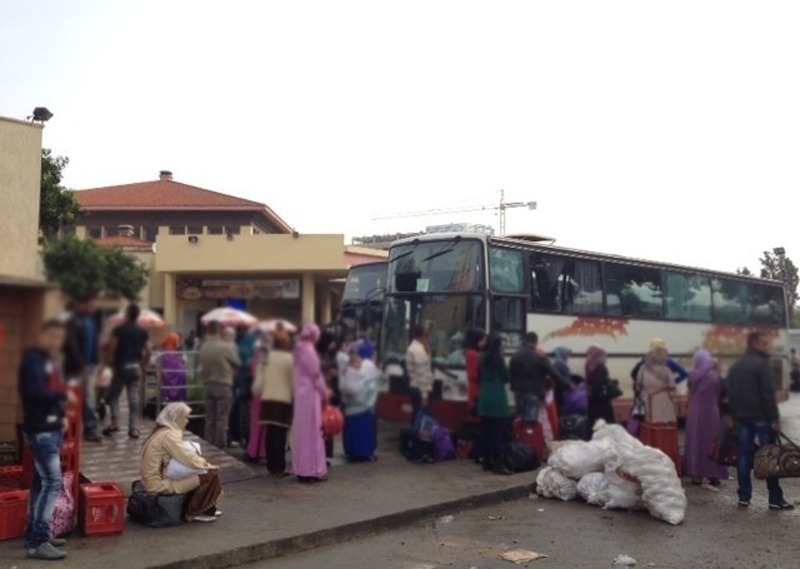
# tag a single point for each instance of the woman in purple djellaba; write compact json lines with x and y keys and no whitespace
{"x":703,"y":421}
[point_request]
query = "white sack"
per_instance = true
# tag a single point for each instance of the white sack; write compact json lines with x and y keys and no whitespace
{"x":594,"y":488}
{"x":662,"y":491}
{"x":616,"y":434}
{"x":623,"y":492}
{"x":178,"y":471}
{"x":550,"y":483}
{"x":576,"y":459}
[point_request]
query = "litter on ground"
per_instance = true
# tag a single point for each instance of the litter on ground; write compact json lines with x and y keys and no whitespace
{"x":522,"y":556}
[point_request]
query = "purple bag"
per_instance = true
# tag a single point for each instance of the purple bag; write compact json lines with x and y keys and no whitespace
{"x":443,"y":447}
{"x":576,"y":401}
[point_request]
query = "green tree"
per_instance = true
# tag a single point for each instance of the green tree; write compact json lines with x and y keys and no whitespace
{"x":744,"y":271}
{"x":58,"y":206}
{"x":781,"y":268}
{"x":83,"y":269}
{"x":125,"y":276}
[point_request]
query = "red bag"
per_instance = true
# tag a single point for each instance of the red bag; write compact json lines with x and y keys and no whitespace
{"x":332,"y":422}
{"x":532,"y":435}
{"x":664,"y":437}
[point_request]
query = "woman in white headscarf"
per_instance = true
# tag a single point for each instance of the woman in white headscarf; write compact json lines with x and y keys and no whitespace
{"x":166,"y":443}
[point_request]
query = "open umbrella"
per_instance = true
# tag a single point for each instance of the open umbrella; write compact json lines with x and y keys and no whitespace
{"x":271,"y":326}
{"x":229,"y":317}
{"x":147,"y":319}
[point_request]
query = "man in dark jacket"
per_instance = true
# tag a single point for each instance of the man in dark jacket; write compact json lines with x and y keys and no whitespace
{"x":43,"y":398}
{"x":80,"y":360}
{"x":529,"y":373}
{"x":755,"y":409}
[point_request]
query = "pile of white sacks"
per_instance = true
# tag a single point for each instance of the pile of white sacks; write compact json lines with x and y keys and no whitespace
{"x":615,"y":471}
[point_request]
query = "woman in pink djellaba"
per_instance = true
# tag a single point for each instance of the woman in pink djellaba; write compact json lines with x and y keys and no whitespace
{"x":311,"y":396}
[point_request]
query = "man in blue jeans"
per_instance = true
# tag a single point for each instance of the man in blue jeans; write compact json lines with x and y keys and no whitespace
{"x":43,"y":398}
{"x":755,"y":410}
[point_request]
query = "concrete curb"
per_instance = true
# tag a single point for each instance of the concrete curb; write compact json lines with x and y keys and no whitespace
{"x":347,"y":532}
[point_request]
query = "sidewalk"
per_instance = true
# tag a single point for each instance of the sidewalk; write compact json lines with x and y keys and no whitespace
{"x":266,"y":518}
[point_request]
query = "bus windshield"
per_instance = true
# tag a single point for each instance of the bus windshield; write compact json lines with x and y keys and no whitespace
{"x":365,"y":282}
{"x":448,"y":317}
{"x":450,"y":265}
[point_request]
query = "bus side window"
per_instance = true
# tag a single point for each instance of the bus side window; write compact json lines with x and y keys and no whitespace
{"x":546,"y":282}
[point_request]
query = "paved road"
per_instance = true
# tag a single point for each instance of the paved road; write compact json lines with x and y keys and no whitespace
{"x":716,"y":534}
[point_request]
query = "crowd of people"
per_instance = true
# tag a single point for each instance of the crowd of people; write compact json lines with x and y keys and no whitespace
{"x":544,"y":391}
{"x":275,"y":389}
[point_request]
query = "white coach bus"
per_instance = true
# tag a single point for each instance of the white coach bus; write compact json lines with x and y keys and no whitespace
{"x":571,"y":298}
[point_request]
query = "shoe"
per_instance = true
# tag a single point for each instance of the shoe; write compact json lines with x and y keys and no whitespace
{"x":283,"y":474}
{"x":503,"y":471}
{"x":205,"y":519}
{"x":92,"y":438}
{"x":47,"y":552}
{"x":58,"y":542}
{"x":744,"y":503}
{"x":109,"y":431}
{"x":782,"y":505}
{"x":134,"y":433}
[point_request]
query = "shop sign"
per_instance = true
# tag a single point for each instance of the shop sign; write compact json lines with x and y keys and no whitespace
{"x":221,"y":289}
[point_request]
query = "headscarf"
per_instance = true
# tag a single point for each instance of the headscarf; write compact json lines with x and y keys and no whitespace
{"x":657,"y":343}
{"x":366,"y":350}
{"x":703,"y":362}
{"x":656,"y":362}
{"x":595,"y":356}
{"x":562,"y":354}
{"x":310,"y":333}
{"x":171,"y":415}
{"x":171,"y":342}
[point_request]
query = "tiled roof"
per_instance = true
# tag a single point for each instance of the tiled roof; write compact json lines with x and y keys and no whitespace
{"x":160,"y":194}
{"x":124,"y":241}
{"x":169,"y":195}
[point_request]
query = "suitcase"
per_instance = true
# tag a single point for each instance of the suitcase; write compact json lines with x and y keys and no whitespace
{"x":575,"y":428}
{"x":532,"y":435}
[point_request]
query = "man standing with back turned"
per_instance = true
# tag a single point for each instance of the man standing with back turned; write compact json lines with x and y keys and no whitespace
{"x":755,"y":410}
{"x":529,"y":372}
{"x":43,"y":398}
{"x":219,"y":361}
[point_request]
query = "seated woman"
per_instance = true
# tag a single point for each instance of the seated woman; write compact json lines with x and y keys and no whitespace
{"x":359,"y":388}
{"x":166,"y":443}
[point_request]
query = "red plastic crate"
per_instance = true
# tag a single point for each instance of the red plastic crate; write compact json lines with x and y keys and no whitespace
{"x":101,"y":509}
{"x":11,"y":477}
{"x":13,"y":514}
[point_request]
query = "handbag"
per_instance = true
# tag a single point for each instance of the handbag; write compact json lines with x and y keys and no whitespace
{"x":637,"y":416}
{"x":725,"y":450}
{"x":781,"y":460}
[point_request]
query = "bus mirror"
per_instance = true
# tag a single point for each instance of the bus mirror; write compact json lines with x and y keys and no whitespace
{"x":406,"y":282}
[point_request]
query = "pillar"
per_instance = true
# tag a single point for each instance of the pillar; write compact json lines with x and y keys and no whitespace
{"x":308,"y":307}
{"x":170,"y":300}
{"x":325,"y":301}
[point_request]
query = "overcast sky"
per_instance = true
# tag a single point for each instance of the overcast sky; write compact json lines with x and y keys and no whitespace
{"x":664,"y":130}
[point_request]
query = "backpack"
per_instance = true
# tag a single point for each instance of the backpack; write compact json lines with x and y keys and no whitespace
{"x":155,"y":511}
{"x":443,"y":447}
{"x":519,"y":457}
{"x":425,"y":425}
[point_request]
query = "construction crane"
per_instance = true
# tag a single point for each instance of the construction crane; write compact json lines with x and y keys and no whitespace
{"x":501,"y":208}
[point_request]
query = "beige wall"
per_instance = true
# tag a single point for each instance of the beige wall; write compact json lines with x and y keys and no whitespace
{"x":250,"y":253}
{"x":153,"y":294}
{"x":20,"y":183}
